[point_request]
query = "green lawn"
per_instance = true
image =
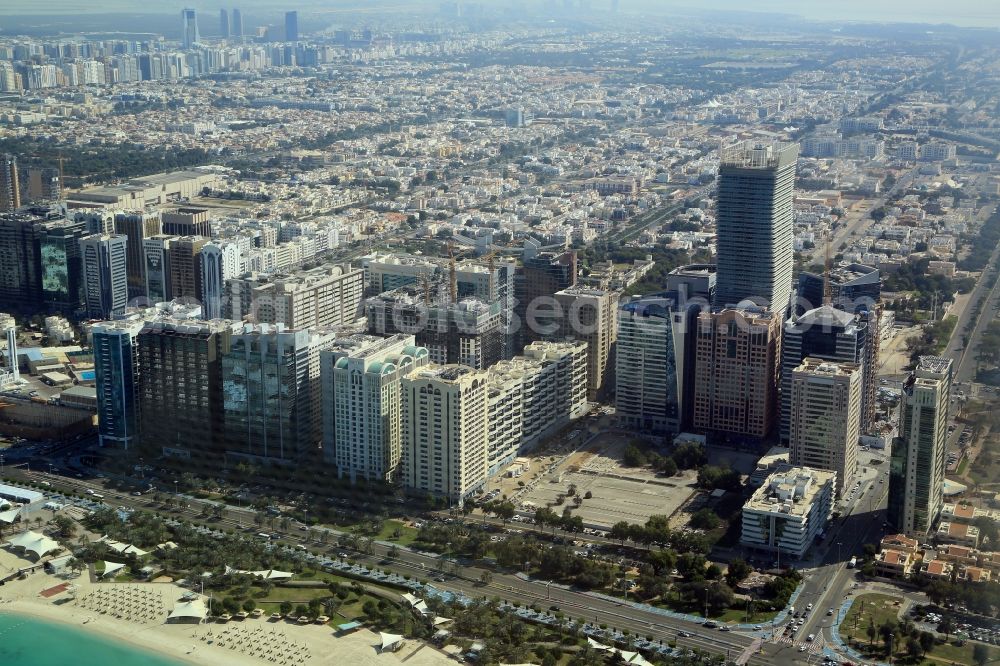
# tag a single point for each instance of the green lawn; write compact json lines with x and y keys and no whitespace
{"x":407,"y":535}
{"x":962,"y":655}
{"x":868,"y":609}
{"x":739,"y":616}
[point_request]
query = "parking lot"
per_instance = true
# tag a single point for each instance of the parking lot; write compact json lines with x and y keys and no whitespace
{"x":617,"y":492}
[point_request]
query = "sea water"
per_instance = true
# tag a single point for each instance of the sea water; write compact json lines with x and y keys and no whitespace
{"x":25,"y":641}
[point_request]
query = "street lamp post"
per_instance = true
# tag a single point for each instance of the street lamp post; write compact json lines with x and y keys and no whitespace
{"x":706,"y":604}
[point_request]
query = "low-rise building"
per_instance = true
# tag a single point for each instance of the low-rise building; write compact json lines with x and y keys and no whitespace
{"x":789,"y":511}
{"x":966,"y":535}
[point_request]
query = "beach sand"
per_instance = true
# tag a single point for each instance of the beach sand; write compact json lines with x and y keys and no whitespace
{"x":210,"y":644}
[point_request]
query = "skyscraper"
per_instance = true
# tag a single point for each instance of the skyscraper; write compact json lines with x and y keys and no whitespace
{"x":590,"y":315}
{"x":854,"y":288}
{"x":362,"y":403}
{"x":184,"y":273}
{"x":137,"y":225}
{"x":291,"y":26}
{"x":156,"y":269}
{"x":224,"y":23}
{"x":826,"y":418}
{"x":60,"y":260}
{"x":736,"y":372}
{"x":10,"y":184}
{"x":217,"y":262}
{"x":917,"y":467}
{"x":445,"y":433}
{"x":189,"y":28}
{"x":540,"y":277}
{"x":19,"y":262}
{"x":654,"y":364}
{"x":13,"y":365}
{"x":754,"y":224}
{"x":181,"y":396}
{"x":271,"y":394}
{"x":105,"y":282}
{"x":237,"y":30}
{"x":828,"y":334}
{"x":117,"y":372}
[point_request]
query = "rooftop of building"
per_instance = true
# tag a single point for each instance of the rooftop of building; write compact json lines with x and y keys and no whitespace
{"x":826,"y":316}
{"x":656,"y":305}
{"x":790,"y":491}
{"x":758,"y":155}
{"x":695,"y":269}
{"x":934,"y":365}
{"x":363,"y":345}
{"x":821,"y":368}
{"x":448,"y":373}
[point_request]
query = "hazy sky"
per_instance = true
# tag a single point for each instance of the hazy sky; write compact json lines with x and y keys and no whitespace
{"x":983,"y":13}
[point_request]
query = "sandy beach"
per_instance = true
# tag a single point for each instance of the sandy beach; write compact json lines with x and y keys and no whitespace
{"x":236,"y":643}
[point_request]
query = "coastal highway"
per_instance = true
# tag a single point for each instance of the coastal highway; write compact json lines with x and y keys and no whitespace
{"x":460,"y":577}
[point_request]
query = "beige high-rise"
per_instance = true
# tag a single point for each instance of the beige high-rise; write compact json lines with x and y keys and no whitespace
{"x":826,"y":418}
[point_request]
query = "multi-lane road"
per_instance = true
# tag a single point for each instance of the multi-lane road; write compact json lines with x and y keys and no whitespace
{"x":461,"y":577}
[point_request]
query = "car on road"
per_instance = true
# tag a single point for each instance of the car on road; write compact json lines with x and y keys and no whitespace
{"x":802,"y":648}
{"x":811,"y":637}
{"x":725,"y":627}
{"x":685,"y":634}
{"x":439,"y":579}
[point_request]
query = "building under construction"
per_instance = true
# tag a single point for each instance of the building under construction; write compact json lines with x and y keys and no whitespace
{"x":467,"y":331}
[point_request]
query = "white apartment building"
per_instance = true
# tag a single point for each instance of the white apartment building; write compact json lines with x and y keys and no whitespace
{"x":362,"y":403}
{"x":532,"y":395}
{"x":787,"y":513}
{"x":445,"y":433}
{"x":322,"y":297}
{"x":826,"y":418}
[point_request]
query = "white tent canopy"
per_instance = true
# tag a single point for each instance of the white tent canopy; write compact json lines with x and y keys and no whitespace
{"x":124,"y":548}
{"x":111,"y":568}
{"x":438,"y":620}
{"x":270,"y":574}
{"x":10,"y":515}
{"x":390,"y":641}
{"x":189,"y":609}
{"x":35,"y":543}
{"x":410,"y":599}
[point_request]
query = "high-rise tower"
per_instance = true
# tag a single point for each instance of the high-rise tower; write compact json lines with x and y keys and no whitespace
{"x":916,"y":472}
{"x":754,"y":224}
{"x":10,"y":186}
{"x":224,"y":23}
{"x":105,"y":281}
{"x":189,"y":28}
{"x":291,"y":26}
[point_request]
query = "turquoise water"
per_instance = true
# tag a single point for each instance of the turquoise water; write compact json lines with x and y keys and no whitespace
{"x":26,"y":641}
{"x":88,"y":375}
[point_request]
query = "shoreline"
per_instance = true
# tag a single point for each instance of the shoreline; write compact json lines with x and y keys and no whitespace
{"x":250,"y":642}
{"x":55,"y":615}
